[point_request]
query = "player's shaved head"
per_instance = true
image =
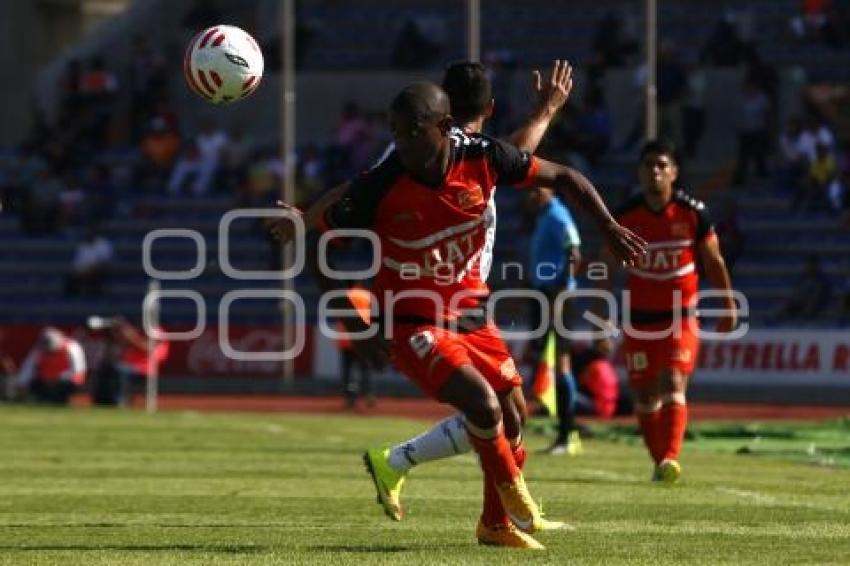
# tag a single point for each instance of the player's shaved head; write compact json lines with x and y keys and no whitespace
{"x":421,"y":102}
{"x":469,"y":90}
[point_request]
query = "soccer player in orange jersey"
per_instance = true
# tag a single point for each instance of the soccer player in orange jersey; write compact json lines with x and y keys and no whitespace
{"x":471,"y":100}
{"x":426,"y":203}
{"x":662,"y":288}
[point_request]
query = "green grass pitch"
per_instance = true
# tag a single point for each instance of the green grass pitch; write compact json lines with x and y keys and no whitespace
{"x":110,"y":487}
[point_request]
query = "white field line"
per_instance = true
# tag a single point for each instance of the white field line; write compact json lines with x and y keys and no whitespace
{"x":609,"y":475}
{"x":747,"y":494}
{"x":765,"y":499}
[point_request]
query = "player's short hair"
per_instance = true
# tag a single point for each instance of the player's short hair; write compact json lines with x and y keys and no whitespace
{"x":421,"y":101}
{"x":469,"y":90}
{"x":659,"y":147}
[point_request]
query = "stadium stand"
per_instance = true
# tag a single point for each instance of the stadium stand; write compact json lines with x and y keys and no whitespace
{"x":776,"y":243}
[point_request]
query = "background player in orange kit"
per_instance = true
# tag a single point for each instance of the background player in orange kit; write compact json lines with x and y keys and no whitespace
{"x":662,"y":289}
{"x":426,"y":203}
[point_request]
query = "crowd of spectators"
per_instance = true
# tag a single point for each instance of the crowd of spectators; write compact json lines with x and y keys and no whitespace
{"x":116,"y":132}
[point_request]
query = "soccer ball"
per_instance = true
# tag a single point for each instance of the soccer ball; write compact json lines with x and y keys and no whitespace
{"x":223,"y":64}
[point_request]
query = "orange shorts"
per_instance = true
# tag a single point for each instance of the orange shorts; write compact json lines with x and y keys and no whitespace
{"x":428,"y":355}
{"x":646,"y":357}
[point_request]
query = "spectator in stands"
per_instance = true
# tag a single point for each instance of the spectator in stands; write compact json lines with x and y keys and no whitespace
{"x":794,"y":154}
{"x":73,"y":200}
{"x":310,"y":172}
{"x":160,"y":146}
{"x":729,"y":234}
{"x":724,"y":47}
{"x":53,"y":370}
{"x":101,"y":194}
{"x":812,"y":293}
{"x":236,"y":158}
{"x":672,"y":89}
{"x":91,"y":264}
{"x":763,"y":75}
{"x":753,"y":132}
{"x":812,"y":20}
{"x":822,"y":173}
{"x":412,"y":48}
{"x":265,"y":173}
{"x":594,"y":127}
{"x":70,"y":93}
{"x":816,"y":130}
{"x":22,"y":171}
{"x":98,"y":89}
{"x":351,"y":128}
{"x":42,"y":213}
{"x":148,"y":75}
{"x":611,"y":44}
{"x":693,"y":111}
{"x":200,"y":160}
{"x":129,"y":355}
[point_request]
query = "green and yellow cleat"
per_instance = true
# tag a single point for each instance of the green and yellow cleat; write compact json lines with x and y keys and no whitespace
{"x":571,"y":447}
{"x":667,"y":472}
{"x":388,"y":482}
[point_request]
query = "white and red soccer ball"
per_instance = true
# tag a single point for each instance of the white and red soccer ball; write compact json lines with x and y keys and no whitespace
{"x":223,"y":64}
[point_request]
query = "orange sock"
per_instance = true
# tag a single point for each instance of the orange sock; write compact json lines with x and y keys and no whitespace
{"x":653,"y":434}
{"x":520,"y":454}
{"x":493,"y":513}
{"x":496,"y":456}
{"x":674,"y":421}
{"x":492,"y":454}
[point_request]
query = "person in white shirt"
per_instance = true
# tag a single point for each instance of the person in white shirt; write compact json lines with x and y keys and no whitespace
{"x":90,"y":265}
{"x":201,"y":160}
{"x":53,"y":370}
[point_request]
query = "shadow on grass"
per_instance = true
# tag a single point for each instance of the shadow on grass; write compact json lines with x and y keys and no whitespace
{"x":366,"y":548}
{"x":218,"y":548}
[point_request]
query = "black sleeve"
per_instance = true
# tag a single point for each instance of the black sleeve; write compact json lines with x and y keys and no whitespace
{"x":704,"y":223}
{"x":356,"y":209}
{"x":511,"y":165}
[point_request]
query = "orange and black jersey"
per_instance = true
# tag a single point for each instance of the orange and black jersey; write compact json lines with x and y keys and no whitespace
{"x":673,"y":235}
{"x":432,"y":236}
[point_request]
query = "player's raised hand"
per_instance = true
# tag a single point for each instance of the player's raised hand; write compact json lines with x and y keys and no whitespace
{"x":282,"y":229}
{"x":554,"y":92}
{"x":624,"y":244}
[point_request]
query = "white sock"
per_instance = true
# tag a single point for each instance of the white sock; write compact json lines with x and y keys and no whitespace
{"x":444,"y":439}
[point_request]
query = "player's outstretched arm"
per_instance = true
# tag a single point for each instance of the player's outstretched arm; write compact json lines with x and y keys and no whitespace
{"x":283,"y":230}
{"x":551,"y":96}
{"x":622,"y":242}
{"x":718,"y":276}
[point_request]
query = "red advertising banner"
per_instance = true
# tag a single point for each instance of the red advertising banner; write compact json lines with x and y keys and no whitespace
{"x":806,"y":357}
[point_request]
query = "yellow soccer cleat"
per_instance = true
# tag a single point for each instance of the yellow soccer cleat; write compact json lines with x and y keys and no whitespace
{"x":520,"y":507}
{"x":574,"y":445}
{"x":387,"y":481}
{"x":668,"y":471}
{"x":505,"y":535}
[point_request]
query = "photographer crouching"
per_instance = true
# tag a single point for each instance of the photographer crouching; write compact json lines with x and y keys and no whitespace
{"x":127,"y":360}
